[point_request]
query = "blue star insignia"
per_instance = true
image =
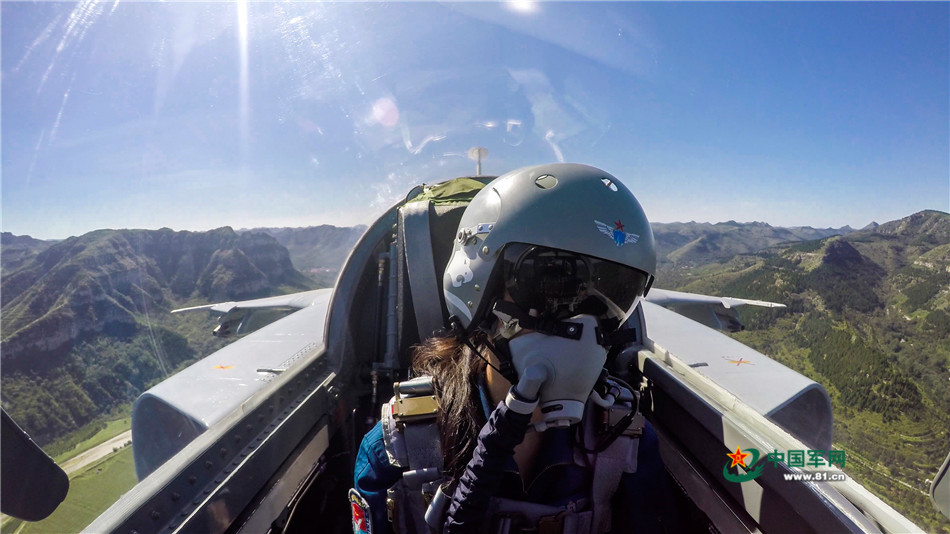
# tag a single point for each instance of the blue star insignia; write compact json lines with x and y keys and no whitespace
{"x":617,"y":234}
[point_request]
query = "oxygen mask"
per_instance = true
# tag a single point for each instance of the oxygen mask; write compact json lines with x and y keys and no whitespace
{"x":559,"y":371}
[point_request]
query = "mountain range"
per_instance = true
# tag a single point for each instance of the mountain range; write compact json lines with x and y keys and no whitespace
{"x":101,"y":282}
{"x":85,"y":326}
{"x":692,"y":244}
{"x":317,"y":251}
{"x":19,"y":249}
{"x":868,"y":317}
{"x":85,"y":323}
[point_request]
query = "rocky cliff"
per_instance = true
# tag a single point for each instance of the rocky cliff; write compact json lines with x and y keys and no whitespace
{"x":105,"y":281}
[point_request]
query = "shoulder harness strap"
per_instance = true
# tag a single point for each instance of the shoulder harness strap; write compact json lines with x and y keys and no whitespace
{"x":411,"y":437}
{"x":416,"y":238}
{"x":415,"y":409}
{"x":625,"y":422}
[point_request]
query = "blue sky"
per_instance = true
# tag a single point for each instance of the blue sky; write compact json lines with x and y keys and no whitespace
{"x":126,"y":114}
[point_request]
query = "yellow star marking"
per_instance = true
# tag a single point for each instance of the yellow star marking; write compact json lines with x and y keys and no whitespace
{"x":738,"y":458}
{"x":740,"y":361}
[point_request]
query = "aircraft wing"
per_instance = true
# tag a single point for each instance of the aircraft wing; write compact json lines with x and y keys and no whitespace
{"x":243,"y":317}
{"x":715,"y":312}
{"x":174,"y":412}
{"x":710,"y":395}
{"x":293,"y":300}
{"x":796,"y":403}
{"x":279,"y":413}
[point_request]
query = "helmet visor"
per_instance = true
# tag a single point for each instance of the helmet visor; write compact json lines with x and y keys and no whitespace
{"x":562,"y":284}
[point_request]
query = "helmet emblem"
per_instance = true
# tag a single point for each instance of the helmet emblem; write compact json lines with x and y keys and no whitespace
{"x":617,"y":234}
{"x":459,"y":269}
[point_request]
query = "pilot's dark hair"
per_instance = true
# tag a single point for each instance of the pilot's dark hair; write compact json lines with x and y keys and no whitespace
{"x":457,"y":372}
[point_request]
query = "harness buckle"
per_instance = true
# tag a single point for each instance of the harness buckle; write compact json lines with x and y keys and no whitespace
{"x":415,"y":400}
{"x":390,"y":508}
{"x":407,"y":409}
{"x":635,"y":422}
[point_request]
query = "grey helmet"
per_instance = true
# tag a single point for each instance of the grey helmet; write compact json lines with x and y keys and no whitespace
{"x":563,"y":209}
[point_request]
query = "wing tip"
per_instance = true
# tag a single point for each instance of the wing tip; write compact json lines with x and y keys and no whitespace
{"x":193,"y":308}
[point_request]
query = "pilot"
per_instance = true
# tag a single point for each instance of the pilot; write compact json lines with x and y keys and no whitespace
{"x":512,"y":424}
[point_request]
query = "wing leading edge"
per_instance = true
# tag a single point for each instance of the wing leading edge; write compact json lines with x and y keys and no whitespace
{"x":243,"y":317}
{"x":715,"y":312}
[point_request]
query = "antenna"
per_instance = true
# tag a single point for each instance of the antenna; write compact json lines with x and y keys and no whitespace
{"x":477,"y":153}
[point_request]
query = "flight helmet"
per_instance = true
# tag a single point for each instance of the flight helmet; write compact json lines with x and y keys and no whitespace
{"x":560,"y":239}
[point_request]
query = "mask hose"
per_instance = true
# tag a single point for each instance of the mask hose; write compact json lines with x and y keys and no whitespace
{"x":611,"y":392}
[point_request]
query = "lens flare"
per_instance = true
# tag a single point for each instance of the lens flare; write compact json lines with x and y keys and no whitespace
{"x":523,"y":6}
{"x":386,"y":112}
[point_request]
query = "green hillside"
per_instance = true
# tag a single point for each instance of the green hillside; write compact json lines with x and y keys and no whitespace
{"x":18,"y":250}
{"x":869,"y":317}
{"x":86,"y":325}
{"x":694,"y":244}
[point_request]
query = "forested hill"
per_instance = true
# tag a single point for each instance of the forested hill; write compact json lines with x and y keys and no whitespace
{"x":18,"y":249}
{"x":693,"y":244}
{"x":318,"y":251}
{"x":869,"y":317}
{"x":85,"y":323}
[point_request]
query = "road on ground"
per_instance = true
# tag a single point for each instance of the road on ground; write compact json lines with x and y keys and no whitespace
{"x":96,"y":453}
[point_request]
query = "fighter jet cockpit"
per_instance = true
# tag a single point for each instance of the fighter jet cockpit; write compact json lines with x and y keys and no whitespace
{"x":508,"y":267}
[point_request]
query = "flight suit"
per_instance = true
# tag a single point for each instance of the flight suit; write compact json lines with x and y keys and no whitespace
{"x":643,"y":501}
